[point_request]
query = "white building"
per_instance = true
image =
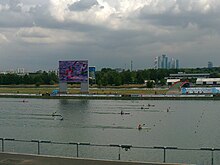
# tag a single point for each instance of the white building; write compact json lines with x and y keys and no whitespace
{"x":208,"y":81}
{"x":172,"y":81}
{"x":146,"y":81}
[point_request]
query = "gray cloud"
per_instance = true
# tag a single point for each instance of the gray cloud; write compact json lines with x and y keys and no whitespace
{"x":203,"y":20}
{"x":15,"y":5}
{"x":83,"y":5}
{"x":36,"y":34}
{"x":3,"y":39}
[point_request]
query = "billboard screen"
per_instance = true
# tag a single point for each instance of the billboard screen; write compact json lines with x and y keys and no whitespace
{"x":92,"y":72}
{"x":73,"y":71}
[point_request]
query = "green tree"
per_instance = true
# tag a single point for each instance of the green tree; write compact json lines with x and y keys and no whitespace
{"x":139,"y":77}
{"x":150,"y":84}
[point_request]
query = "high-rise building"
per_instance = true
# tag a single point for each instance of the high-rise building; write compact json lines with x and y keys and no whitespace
{"x":166,"y":63}
{"x":172,"y":61}
{"x":177,"y":64}
{"x":163,"y":62}
{"x":157,"y":62}
{"x":169,"y":65}
{"x":210,"y":64}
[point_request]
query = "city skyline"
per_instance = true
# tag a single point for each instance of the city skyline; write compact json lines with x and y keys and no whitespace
{"x":165,"y":62}
{"x":36,"y":34}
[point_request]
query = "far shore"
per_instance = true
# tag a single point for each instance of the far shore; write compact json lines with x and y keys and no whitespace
{"x":110,"y":93}
{"x":75,"y":89}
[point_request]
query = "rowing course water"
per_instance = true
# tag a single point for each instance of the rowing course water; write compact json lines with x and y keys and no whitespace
{"x":189,"y":124}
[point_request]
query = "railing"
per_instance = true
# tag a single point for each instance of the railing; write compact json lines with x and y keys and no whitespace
{"x":164,"y":149}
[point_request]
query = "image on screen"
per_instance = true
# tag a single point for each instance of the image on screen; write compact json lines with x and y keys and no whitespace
{"x":73,"y":71}
{"x":92,"y":72}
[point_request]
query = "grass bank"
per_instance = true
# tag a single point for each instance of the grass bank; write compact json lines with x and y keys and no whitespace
{"x":31,"y":89}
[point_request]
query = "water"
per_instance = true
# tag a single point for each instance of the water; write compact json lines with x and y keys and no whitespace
{"x":188,"y":124}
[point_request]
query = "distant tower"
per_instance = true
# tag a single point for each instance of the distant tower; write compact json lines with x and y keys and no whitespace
{"x":210,"y":64}
{"x":157,"y":62}
{"x":169,"y":65}
{"x":166,"y":63}
{"x":131,"y":65}
{"x":163,"y":63}
{"x":177,"y":64}
{"x":172,"y":63}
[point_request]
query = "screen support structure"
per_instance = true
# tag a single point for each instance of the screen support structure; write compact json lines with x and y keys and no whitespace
{"x":84,"y":87}
{"x":63,"y":87}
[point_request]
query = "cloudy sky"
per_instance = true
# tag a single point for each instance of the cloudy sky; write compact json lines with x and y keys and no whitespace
{"x":36,"y":34}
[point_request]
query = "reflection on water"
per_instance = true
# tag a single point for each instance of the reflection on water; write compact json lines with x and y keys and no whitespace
{"x":186,"y":124}
{"x":75,"y":103}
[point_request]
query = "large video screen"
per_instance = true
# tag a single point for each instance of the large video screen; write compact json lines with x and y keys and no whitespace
{"x":92,"y":72}
{"x":73,"y":71}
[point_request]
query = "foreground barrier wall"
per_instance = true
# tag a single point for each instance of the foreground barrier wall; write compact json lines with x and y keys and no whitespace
{"x":20,"y":159}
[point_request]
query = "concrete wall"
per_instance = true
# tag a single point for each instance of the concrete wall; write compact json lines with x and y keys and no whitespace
{"x":20,"y":159}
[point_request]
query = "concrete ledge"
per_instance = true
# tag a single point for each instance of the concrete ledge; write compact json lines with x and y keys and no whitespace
{"x":113,"y":97}
{"x":22,"y":159}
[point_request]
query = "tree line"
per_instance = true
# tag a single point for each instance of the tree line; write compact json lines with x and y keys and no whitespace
{"x":109,"y":76}
{"x":38,"y":78}
{"x":106,"y":76}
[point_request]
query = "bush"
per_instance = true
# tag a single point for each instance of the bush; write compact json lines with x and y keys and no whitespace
{"x":37,"y":84}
